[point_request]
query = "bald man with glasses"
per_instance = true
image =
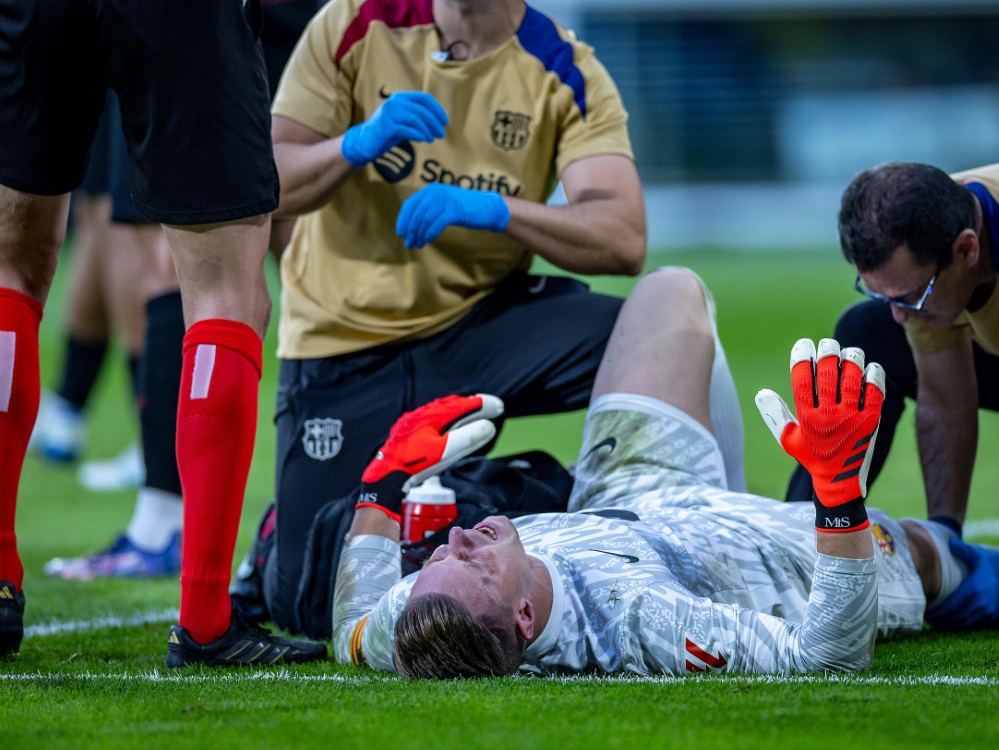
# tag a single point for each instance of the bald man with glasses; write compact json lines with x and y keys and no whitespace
{"x":923,"y":245}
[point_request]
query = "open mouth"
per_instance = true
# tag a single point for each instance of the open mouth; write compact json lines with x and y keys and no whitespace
{"x":488,"y":530}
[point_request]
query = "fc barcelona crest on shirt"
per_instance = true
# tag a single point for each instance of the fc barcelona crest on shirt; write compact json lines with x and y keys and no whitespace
{"x":510,"y":130}
{"x":322,"y":438}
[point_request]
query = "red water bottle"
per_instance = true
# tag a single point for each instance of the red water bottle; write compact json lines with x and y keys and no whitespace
{"x":427,"y":509}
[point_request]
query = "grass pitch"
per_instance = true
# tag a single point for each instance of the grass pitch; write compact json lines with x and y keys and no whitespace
{"x":90,"y":671}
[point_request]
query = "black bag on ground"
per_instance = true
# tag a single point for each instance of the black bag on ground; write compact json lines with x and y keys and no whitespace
{"x":512,"y":486}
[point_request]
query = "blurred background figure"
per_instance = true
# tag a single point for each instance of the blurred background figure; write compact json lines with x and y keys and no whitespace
{"x":123,"y":283}
{"x":103,"y":303}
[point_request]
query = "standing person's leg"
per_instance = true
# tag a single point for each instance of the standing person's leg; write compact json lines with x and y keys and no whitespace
{"x":87,"y":320}
{"x":31,"y":233}
{"x":157,"y":521}
{"x":151,"y":544}
{"x":61,"y":424}
{"x":48,"y":115}
{"x":123,"y":263}
{"x":194,"y":110}
{"x":59,"y":432}
{"x":226,"y":306}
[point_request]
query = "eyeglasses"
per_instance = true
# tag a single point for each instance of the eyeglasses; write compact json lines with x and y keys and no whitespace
{"x":915,"y":307}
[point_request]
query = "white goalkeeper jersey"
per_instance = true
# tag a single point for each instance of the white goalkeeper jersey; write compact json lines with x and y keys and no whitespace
{"x":705,"y":580}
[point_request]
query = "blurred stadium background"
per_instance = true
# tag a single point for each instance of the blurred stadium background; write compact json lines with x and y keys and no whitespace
{"x":750,"y":116}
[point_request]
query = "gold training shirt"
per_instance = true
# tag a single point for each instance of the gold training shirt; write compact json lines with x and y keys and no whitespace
{"x":983,"y":323}
{"x":517,"y":117}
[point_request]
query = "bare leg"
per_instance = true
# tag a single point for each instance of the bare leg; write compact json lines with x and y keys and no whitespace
{"x":158,"y":273}
{"x":662,"y":345}
{"x":226,"y":307}
{"x":128,"y":247}
{"x":281,"y":230}
{"x":86,"y":314}
{"x":158,"y":514}
{"x":31,"y":231}
{"x":924,"y":557}
{"x":221,"y":273}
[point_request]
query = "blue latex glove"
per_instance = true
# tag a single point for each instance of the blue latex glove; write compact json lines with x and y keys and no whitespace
{"x":975,"y":603}
{"x":404,"y":116}
{"x":430,"y":211}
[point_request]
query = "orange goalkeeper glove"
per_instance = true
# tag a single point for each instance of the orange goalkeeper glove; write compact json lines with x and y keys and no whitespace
{"x":424,"y":442}
{"x":838,"y":403}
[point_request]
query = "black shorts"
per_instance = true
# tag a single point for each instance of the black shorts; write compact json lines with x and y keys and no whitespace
{"x":284,"y":22}
{"x":107,"y":173}
{"x":535,"y":342}
{"x":190,"y":78}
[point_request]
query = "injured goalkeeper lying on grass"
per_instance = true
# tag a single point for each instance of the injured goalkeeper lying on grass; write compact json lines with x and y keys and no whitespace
{"x":658,"y":568}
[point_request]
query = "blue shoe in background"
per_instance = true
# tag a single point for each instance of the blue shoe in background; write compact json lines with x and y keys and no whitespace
{"x":59,"y":430}
{"x":122,"y":559}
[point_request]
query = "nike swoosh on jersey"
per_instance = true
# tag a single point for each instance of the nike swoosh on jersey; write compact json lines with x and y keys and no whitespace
{"x":605,"y":443}
{"x":630,"y":558}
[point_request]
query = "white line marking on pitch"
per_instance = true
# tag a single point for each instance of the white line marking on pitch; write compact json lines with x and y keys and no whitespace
{"x":284,"y":675}
{"x":101,"y":623}
{"x":981,"y":527}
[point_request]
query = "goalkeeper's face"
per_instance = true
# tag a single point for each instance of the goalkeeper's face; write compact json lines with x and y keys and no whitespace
{"x":482,"y":567}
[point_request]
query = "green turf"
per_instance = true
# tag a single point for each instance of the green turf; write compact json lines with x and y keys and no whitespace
{"x":106,"y":687}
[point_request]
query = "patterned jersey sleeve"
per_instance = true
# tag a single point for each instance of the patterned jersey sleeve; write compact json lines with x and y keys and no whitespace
{"x":367,"y":601}
{"x":597,"y":122}
{"x":677,"y":634}
{"x":317,"y":84}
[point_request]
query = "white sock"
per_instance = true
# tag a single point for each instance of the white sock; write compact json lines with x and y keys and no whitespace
{"x":158,"y":515}
{"x":952,"y":570}
{"x":726,"y":420}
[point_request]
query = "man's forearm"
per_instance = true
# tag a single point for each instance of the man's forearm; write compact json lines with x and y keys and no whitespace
{"x":849,"y":545}
{"x":373,"y":521}
{"x":948,"y":438}
{"x":310,"y":175}
{"x":369,"y":566}
{"x":595,"y":236}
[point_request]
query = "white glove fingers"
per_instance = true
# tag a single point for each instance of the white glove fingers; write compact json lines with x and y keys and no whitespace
{"x":874,"y":385}
{"x":854,"y":355}
{"x":827,"y":368}
{"x":827,"y":348}
{"x":461,"y":442}
{"x":492,"y":407}
{"x":851,"y":376}
{"x":802,"y":351}
{"x":774,"y":411}
{"x":803,"y":374}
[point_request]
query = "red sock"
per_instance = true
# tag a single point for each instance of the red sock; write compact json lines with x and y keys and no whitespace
{"x":19,"y":393}
{"x":216,"y":428}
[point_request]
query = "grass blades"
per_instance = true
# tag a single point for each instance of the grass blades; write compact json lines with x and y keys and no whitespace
{"x":91,"y":671}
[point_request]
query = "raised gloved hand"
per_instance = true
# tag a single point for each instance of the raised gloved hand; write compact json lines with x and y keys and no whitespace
{"x":431,"y":210}
{"x":838,"y":403}
{"x":404,"y":116}
{"x":975,"y":603}
{"x":424,"y":442}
